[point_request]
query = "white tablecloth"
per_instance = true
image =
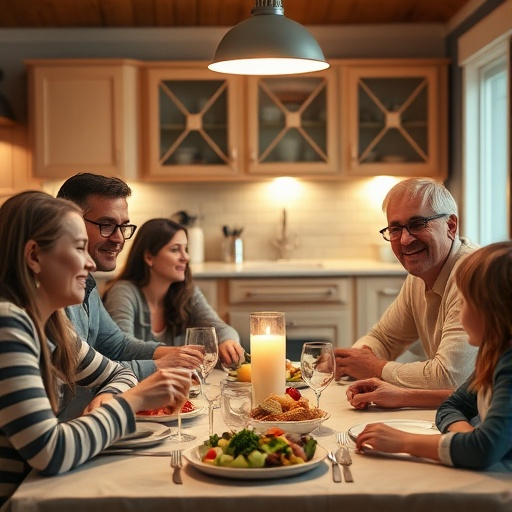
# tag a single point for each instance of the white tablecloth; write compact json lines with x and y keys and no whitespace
{"x":135,"y":483}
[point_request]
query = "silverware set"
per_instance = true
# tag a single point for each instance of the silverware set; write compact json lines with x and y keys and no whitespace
{"x":176,"y":464}
{"x":341,"y":458}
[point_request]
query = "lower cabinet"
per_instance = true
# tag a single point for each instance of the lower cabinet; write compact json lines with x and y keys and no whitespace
{"x":316,"y":309}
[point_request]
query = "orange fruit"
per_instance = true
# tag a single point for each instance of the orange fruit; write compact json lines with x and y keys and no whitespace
{"x":244,"y":373}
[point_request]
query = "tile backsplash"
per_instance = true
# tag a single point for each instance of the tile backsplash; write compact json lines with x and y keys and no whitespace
{"x":328,"y":220}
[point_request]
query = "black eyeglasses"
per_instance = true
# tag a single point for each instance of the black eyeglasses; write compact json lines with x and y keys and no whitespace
{"x":414,"y":227}
{"x":107,"y":229}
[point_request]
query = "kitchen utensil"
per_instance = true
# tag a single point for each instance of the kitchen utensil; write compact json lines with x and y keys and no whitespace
{"x":176,"y":464}
{"x":343,"y":455}
{"x":336,"y":473}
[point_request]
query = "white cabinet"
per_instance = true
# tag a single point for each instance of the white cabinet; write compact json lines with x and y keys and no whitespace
{"x":373,"y":296}
{"x":316,"y":309}
{"x":84,"y":117}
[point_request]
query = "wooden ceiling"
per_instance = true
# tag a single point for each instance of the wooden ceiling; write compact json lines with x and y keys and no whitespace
{"x":224,"y":13}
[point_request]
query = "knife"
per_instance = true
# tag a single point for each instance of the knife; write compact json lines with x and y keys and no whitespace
{"x":336,"y":473}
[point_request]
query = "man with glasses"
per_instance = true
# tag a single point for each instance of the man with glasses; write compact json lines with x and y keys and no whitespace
{"x":423,"y":233}
{"x":105,"y":210}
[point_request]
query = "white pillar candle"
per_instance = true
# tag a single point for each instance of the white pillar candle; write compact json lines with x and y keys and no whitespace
{"x":268,"y":359}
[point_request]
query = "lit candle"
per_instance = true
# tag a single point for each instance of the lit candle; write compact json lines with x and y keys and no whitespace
{"x":268,"y":355}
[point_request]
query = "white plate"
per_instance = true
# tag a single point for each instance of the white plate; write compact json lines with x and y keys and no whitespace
{"x":411,"y":426}
{"x":147,"y":434}
{"x":164,"y":418}
{"x":194,"y":458}
{"x":294,"y":427}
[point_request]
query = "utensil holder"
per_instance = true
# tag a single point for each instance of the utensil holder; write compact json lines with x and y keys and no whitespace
{"x":233,"y":250}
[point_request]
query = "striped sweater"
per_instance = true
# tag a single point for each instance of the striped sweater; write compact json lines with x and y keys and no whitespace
{"x":30,"y":434}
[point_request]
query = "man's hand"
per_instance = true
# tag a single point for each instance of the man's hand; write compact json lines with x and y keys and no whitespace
{"x":359,"y":363}
{"x":231,"y":353}
{"x":188,"y":356}
{"x":375,"y":391}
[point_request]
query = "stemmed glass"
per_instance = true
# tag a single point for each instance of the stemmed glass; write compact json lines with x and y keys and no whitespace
{"x":317,"y":366}
{"x":180,"y":437}
{"x":206,"y":337}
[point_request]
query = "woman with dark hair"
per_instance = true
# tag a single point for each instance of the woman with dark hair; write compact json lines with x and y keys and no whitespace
{"x":44,"y":265}
{"x":154,"y":297}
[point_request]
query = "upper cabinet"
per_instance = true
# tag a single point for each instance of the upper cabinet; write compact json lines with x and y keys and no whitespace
{"x":291,"y":124}
{"x":395,"y":118}
{"x":178,"y":121}
{"x":84,"y":117}
{"x":194,"y":121}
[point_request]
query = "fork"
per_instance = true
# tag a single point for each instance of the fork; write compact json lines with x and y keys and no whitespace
{"x":176,"y":464}
{"x":343,"y":454}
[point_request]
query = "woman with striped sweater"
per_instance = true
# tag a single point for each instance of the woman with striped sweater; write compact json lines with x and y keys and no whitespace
{"x":43,"y":267}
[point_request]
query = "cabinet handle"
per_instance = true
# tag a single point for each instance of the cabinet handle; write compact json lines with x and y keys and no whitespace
{"x":327,"y":293}
{"x":234,"y":154}
{"x":388,"y":292}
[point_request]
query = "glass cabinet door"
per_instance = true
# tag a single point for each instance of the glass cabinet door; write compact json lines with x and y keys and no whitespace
{"x":290,"y":124}
{"x":396,"y":121}
{"x":190,"y":131}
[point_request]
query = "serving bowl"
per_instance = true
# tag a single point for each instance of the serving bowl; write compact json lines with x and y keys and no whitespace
{"x":292,"y":427}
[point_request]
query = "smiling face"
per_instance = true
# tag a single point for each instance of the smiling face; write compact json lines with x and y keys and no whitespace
{"x":422,"y":255}
{"x":104,"y":251}
{"x":170,"y":262}
{"x":63,"y":268}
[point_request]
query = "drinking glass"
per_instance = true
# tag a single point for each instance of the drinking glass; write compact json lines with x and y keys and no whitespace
{"x":235,"y":404}
{"x":180,"y":437}
{"x":211,"y":393}
{"x":206,"y":337}
{"x":317,"y":366}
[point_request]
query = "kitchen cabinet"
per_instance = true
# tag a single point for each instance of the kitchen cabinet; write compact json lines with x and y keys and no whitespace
{"x":14,"y":161}
{"x":316,"y":309}
{"x":194,"y":122}
{"x":84,"y":117}
{"x":373,"y":297}
{"x":292,"y":124}
{"x":395,"y":116}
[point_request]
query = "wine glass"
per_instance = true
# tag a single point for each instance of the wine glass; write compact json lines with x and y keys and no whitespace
{"x":205,"y":337}
{"x":317,"y":366}
{"x":180,"y":437}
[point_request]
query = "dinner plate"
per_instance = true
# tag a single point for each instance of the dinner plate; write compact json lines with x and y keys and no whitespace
{"x":294,"y":427}
{"x":194,"y":458}
{"x":146,"y":434}
{"x":411,"y":426}
{"x":164,"y":418}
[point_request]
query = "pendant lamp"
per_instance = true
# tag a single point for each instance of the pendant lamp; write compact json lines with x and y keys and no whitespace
{"x":268,"y":43}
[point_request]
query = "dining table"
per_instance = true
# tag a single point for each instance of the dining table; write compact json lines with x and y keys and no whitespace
{"x":126,"y":482}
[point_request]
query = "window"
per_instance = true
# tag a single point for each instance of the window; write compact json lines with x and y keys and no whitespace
{"x":486,"y":182}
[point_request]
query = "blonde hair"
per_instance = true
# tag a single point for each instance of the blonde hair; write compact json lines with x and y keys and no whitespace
{"x":484,"y":279}
{"x":34,"y":215}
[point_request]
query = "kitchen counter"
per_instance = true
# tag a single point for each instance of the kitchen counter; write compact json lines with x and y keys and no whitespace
{"x":296,"y":268}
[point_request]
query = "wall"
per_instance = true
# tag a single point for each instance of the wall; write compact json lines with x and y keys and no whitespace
{"x":331,"y":220}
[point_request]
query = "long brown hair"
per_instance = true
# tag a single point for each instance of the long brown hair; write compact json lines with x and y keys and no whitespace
{"x":485,"y":280}
{"x":37,"y":216}
{"x":152,"y":236}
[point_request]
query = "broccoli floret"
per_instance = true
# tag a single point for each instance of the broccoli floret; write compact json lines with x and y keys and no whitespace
{"x":213,"y":441}
{"x":243,"y":443}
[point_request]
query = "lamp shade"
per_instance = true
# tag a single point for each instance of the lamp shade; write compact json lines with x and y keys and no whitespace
{"x":268,"y":43}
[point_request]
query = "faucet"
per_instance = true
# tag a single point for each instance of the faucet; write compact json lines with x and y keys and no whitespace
{"x":285,"y":244}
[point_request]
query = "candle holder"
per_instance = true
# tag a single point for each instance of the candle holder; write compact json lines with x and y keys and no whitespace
{"x":268,"y":354}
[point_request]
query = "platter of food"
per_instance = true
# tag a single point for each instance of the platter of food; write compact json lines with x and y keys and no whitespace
{"x":295,"y":427}
{"x":258,"y":461}
{"x":163,"y":415}
{"x":290,"y":412}
{"x":146,"y":434}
